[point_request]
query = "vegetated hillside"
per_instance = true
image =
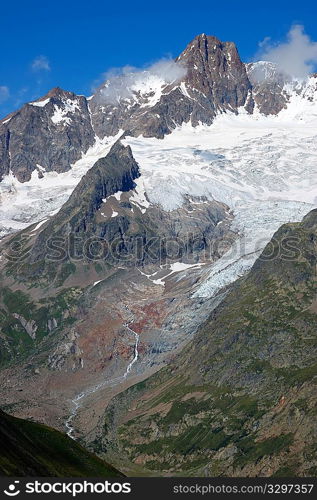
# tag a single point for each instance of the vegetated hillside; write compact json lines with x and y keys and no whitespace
{"x":30,"y":449}
{"x":25,"y":322}
{"x":240,"y":400}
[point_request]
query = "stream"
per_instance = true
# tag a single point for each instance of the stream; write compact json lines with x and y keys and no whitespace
{"x":77,"y":401}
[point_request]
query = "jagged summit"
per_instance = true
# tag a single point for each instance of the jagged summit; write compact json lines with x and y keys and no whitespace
{"x":30,"y":449}
{"x":239,"y":397}
{"x":210,"y":53}
{"x":56,"y":93}
{"x":215,"y":70}
{"x":205,"y":44}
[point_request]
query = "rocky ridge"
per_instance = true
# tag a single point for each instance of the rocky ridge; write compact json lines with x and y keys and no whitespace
{"x":48,"y":134}
{"x":106,"y":206}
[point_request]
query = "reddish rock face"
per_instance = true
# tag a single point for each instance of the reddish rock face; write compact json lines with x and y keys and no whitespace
{"x":216,"y":72}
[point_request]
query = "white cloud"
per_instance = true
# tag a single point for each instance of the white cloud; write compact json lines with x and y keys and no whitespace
{"x":296,"y":57}
{"x":122,"y":82}
{"x":41,"y":63}
{"x":266,"y":40}
{"x":4,"y":93}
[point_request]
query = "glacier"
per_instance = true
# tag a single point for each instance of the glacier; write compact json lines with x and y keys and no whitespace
{"x":263,"y":168}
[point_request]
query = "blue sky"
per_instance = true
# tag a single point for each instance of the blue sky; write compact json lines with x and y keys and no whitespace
{"x":71,"y":44}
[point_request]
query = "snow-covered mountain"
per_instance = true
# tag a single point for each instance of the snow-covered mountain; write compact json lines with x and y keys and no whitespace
{"x":262,"y":167}
{"x":226,"y":153}
{"x":207,"y":79}
{"x":49,"y":144}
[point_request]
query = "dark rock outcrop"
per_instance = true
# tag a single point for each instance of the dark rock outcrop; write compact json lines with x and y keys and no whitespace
{"x":216,"y":81}
{"x":267,"y":87}
{"x":30,"y":449}
{"x":116,"y":172}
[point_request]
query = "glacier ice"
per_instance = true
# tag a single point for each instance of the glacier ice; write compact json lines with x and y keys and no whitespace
{"x":263,"y":168}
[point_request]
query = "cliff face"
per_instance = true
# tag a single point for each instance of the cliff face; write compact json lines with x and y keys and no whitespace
{"x":268,"y":90}
{"x":114,"y":173}
{"x":30,"y":449}
{"x":240,"y":400}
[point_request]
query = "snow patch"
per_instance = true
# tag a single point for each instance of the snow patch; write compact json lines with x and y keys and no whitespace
{"x":39,"y":225}
{"x":40,"y":104}
{"x":117,"y":195}
{"x":69,"y":106}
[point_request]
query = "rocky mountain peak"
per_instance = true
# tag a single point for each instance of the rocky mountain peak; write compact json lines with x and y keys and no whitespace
{"x":206,"y":46}
{"x":267,"y":86}
{"x":214,"y":69}
{"x":58,"y":91}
